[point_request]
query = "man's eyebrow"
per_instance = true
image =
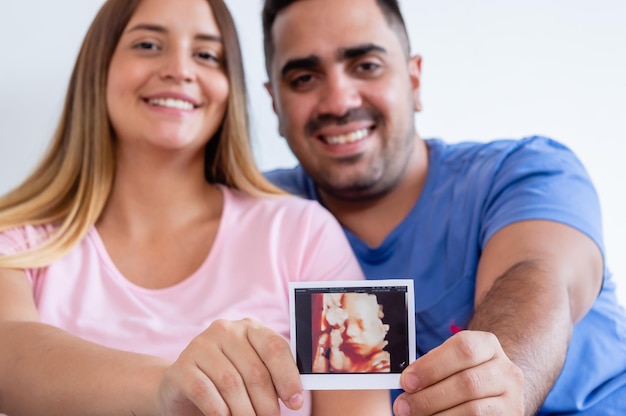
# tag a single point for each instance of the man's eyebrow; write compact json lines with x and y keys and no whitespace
{"x":359,"y":50}
{"x":344,"y":53}
{"x":300,"y":63}
{"x":162,"y":29}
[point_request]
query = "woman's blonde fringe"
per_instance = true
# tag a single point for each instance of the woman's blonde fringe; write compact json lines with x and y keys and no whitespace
{"x":69,"y":188}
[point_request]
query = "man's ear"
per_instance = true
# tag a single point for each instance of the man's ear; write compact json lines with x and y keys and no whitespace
{"x":415,"y":74}
{"x":268,"y":88}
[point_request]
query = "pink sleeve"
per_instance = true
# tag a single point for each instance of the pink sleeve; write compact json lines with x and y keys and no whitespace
{"x":15,"y":240}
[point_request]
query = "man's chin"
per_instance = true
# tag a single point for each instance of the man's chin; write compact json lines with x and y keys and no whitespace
{"x":357,"y":191}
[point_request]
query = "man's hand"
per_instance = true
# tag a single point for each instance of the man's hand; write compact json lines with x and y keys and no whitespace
{"x":469,"y":374}
{"x":235,"y":369}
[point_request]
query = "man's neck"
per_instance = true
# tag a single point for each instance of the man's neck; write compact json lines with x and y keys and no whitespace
{"x":373,"y":219}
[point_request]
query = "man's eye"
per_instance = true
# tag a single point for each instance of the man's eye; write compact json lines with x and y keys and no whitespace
{"x":368,"y":67}
{"x":301,"y":81}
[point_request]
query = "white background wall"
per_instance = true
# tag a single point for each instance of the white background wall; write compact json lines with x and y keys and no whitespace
{"x":491,"y":69}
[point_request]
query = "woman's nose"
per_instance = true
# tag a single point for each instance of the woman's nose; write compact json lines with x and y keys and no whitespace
{"x":177,"y":66}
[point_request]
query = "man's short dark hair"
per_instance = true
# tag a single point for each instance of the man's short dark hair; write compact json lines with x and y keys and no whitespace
{"x":390,"y":9}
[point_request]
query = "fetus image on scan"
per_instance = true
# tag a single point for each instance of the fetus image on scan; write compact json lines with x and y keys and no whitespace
{"x":350,"y":334}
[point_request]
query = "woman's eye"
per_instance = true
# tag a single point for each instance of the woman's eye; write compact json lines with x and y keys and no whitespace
{"x":149,"y":46}
{"x":208,"y":56}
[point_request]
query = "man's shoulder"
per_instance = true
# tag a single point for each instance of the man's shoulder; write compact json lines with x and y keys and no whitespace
{"x":292,"y":180}
{"x":529,"y":151}
{"x":500,"y":147}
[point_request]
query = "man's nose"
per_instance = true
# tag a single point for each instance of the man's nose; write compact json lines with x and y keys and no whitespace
{"x":339,"y":95}
{"x":177,"y":66}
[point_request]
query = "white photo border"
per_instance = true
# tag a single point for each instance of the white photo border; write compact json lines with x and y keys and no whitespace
{"x":352,"y":381}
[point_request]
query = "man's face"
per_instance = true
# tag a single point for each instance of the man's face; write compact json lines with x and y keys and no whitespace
{"x":344,"y":92}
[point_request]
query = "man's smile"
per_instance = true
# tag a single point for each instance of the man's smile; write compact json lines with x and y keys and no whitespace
{"x":351,"y":137}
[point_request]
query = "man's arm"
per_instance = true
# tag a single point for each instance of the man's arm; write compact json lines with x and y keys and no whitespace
{"x":535,"y":280}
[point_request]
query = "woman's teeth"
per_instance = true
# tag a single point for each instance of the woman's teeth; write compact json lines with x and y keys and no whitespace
{"x":346,"y":138}
{"x":171,"y":103}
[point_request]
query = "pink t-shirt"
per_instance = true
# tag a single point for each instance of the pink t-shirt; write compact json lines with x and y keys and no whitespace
{"x":260,"y":246}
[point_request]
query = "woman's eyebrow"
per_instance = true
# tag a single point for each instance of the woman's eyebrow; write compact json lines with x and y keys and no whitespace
{"x":209,"y":37}
{"x":148,"y":27}
{"x":161,"y":29}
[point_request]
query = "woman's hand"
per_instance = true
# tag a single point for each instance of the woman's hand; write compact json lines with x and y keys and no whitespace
{"x":233,"y":368}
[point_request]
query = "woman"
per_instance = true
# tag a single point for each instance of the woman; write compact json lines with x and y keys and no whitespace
{"x":139,"y":257}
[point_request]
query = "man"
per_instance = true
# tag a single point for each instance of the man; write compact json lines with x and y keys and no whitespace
{"x":503,"y":239}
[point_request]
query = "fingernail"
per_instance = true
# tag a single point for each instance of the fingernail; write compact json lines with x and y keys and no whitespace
{"x":411,"y":382}
{"x":296,"y":401}
{"x":402,"y":408}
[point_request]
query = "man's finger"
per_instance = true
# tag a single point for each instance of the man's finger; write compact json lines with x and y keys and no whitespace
{"x":464,"y":350}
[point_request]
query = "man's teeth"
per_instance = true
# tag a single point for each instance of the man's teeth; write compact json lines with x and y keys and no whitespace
{"x":171,"y":103}
{"x":346,"y":138}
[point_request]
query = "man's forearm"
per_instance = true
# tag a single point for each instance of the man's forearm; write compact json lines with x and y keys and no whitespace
{"x":529,"y":313}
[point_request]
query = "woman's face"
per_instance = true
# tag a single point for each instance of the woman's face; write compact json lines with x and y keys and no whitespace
{"x":167,"y":87}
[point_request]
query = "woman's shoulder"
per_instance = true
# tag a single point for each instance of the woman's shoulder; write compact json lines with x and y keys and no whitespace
{"x":285,"y":207}
{"x":18,"y":239}
{"x":284,"y":201}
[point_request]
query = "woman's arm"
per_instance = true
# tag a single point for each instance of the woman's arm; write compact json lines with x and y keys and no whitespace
{"x":234,"y":368}
{"x":44,"y":370}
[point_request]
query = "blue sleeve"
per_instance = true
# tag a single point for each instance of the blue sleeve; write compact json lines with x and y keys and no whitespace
{"x":542,"y":179}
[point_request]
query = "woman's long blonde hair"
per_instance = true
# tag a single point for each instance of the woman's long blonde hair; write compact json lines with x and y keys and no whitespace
{"x":71,"y":185}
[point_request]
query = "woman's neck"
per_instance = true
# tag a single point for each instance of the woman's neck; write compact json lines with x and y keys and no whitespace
{"x":161,"y":194}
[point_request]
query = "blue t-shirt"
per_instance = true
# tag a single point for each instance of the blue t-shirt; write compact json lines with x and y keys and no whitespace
{"x":472,"y":190}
